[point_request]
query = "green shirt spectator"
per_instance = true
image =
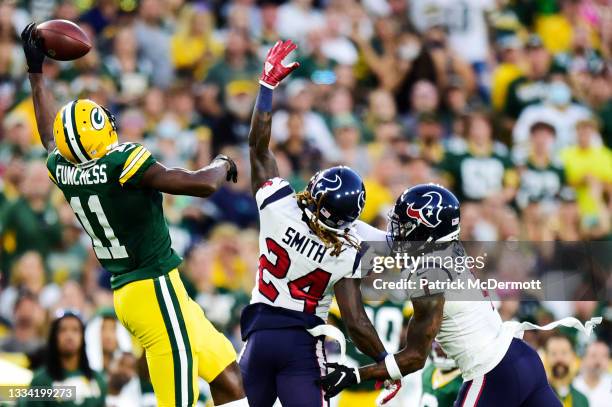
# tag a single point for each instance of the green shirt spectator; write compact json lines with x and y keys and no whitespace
{"x":31,"y":222}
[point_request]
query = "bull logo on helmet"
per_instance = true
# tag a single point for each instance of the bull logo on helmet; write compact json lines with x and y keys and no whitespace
{"x":324,"y":185}
{"x":428,"y":214}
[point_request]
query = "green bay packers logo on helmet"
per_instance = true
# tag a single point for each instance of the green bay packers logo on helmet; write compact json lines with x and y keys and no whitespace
{"x":97,"y":118}
{"x":84,"y":131}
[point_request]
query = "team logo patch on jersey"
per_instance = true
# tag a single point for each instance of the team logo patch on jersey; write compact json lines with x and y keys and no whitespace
{"x":97,"y":118}
{"x":428,"y":214}
{"x":325,"y":185}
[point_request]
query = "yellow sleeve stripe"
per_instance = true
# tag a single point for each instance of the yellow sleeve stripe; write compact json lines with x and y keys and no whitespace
{"x":51,"y":177}
{"x":134,"y":166}
{"x":131,"y":157}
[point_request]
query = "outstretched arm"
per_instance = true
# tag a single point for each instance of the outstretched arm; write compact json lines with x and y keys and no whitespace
{"x":422,"y":329}
{"x":355,"y":319}
{"x":263,"y":164}
{"x":44,"y":103}
{"x":178,"y":181}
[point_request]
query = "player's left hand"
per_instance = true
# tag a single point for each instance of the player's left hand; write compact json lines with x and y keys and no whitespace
{"x":232,"y":170}
{"x":32,"y":49}
{"x":390,"y":388}
{"x":274,"y":71}
{"x":342,"y":377}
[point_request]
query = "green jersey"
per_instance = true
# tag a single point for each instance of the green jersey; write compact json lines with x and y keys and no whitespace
{"x":440,"y":389}
{"x":539,"y":184}
{"x":126,"y":223}
{"x":89,"y":392}
{"x":477,"y":177}
{"x":571,"y":397}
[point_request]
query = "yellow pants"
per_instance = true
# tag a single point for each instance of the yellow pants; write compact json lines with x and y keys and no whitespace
{"x":180,"y":343}
{"x":358,"y":398}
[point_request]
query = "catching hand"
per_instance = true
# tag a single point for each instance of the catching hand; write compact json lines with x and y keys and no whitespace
{"x":32,"y":49}
{"x":342,"y":377}
{"x":390,"y":388}
{"x":232,"y":171}
{"x":274,"y":71}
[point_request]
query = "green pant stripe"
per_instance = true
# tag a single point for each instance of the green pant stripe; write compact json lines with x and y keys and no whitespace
{"x":173,"y":344}
{"x":181,"y":321}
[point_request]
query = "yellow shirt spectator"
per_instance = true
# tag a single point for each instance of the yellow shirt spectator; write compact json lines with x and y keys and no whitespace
{"x":503,"y":75}
{"x":377,"y":197}
{"x":556,"y":32}
{"x":193,"y":46}
{"x":582,"y":164}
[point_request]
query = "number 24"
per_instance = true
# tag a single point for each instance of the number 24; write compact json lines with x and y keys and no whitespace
{"x":316,"y":281}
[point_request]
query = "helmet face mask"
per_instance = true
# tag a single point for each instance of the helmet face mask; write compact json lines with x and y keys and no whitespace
{"x":84,"y":131}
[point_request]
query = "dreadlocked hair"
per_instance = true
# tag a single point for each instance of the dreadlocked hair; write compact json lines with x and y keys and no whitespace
{"x":329,"y":238}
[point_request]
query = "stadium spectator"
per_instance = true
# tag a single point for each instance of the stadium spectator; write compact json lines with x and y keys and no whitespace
{"x":28,"y":319}
{"x":347,"y":133}
{"x":560,"y":362}
{"x":509,"y":68}
{"x":28,"y":276}
{"x":594,"y":380}
{"x":193,"y":46}
{"x":123,"y":382}
{"x":237,"y":67}
{"x":106,"y":340}
{"x":296,"y":18}
{"x":541,"y":175}
{"x":556,"y":109}
{"x":31,"y":222}
{"x":154,"y":41}
{"x":131,"y":75}
{"x":484,"y":170}
{"x":300,"y":98}
{"x":532,"y":87}
{"x":67,"y":364}
{"x":589,"y":170}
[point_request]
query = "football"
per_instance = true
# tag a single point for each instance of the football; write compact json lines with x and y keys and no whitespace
{"x":63,"y":40}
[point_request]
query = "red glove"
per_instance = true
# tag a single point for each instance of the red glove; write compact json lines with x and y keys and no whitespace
{"x":390,"y":390}
{"x":274,"y":71}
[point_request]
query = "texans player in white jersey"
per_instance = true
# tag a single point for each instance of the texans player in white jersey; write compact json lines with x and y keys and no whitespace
{"x":309,"y":250}
{"x":499,"y":370}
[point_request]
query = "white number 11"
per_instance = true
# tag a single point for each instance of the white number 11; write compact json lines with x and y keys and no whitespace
{"x":116,"y":250}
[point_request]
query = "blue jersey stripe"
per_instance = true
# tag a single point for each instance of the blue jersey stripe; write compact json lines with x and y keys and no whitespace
{"x":280,"y":194}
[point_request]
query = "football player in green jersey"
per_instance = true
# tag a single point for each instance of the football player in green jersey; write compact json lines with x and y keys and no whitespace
{"x":441,"y":380}
{"x":115,"y":191}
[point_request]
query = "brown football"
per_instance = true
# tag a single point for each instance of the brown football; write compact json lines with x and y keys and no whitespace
{"x":63,"y":40}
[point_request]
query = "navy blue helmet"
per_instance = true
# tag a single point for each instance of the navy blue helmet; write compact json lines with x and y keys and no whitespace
{"x":340,"y":196}
{"x":425,"y":213}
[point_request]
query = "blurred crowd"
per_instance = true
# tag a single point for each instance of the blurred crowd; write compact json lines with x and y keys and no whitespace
{"x":506,"y":102}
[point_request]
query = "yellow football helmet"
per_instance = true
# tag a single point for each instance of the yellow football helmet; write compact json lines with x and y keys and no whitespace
{"x":84,"y":131}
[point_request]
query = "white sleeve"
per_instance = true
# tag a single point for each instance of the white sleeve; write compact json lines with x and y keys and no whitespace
{"x":369,"y":233}
{"x":273,"y":190}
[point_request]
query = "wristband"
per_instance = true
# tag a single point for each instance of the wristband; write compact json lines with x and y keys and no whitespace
{"x":381,"y":356}
{"x":264,"y":99}
{"x":392,"y":368}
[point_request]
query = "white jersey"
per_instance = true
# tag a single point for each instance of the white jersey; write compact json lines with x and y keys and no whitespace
{"x":296,"y":270}
{"x":465,"y":20}
{"x":471,"y":332}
